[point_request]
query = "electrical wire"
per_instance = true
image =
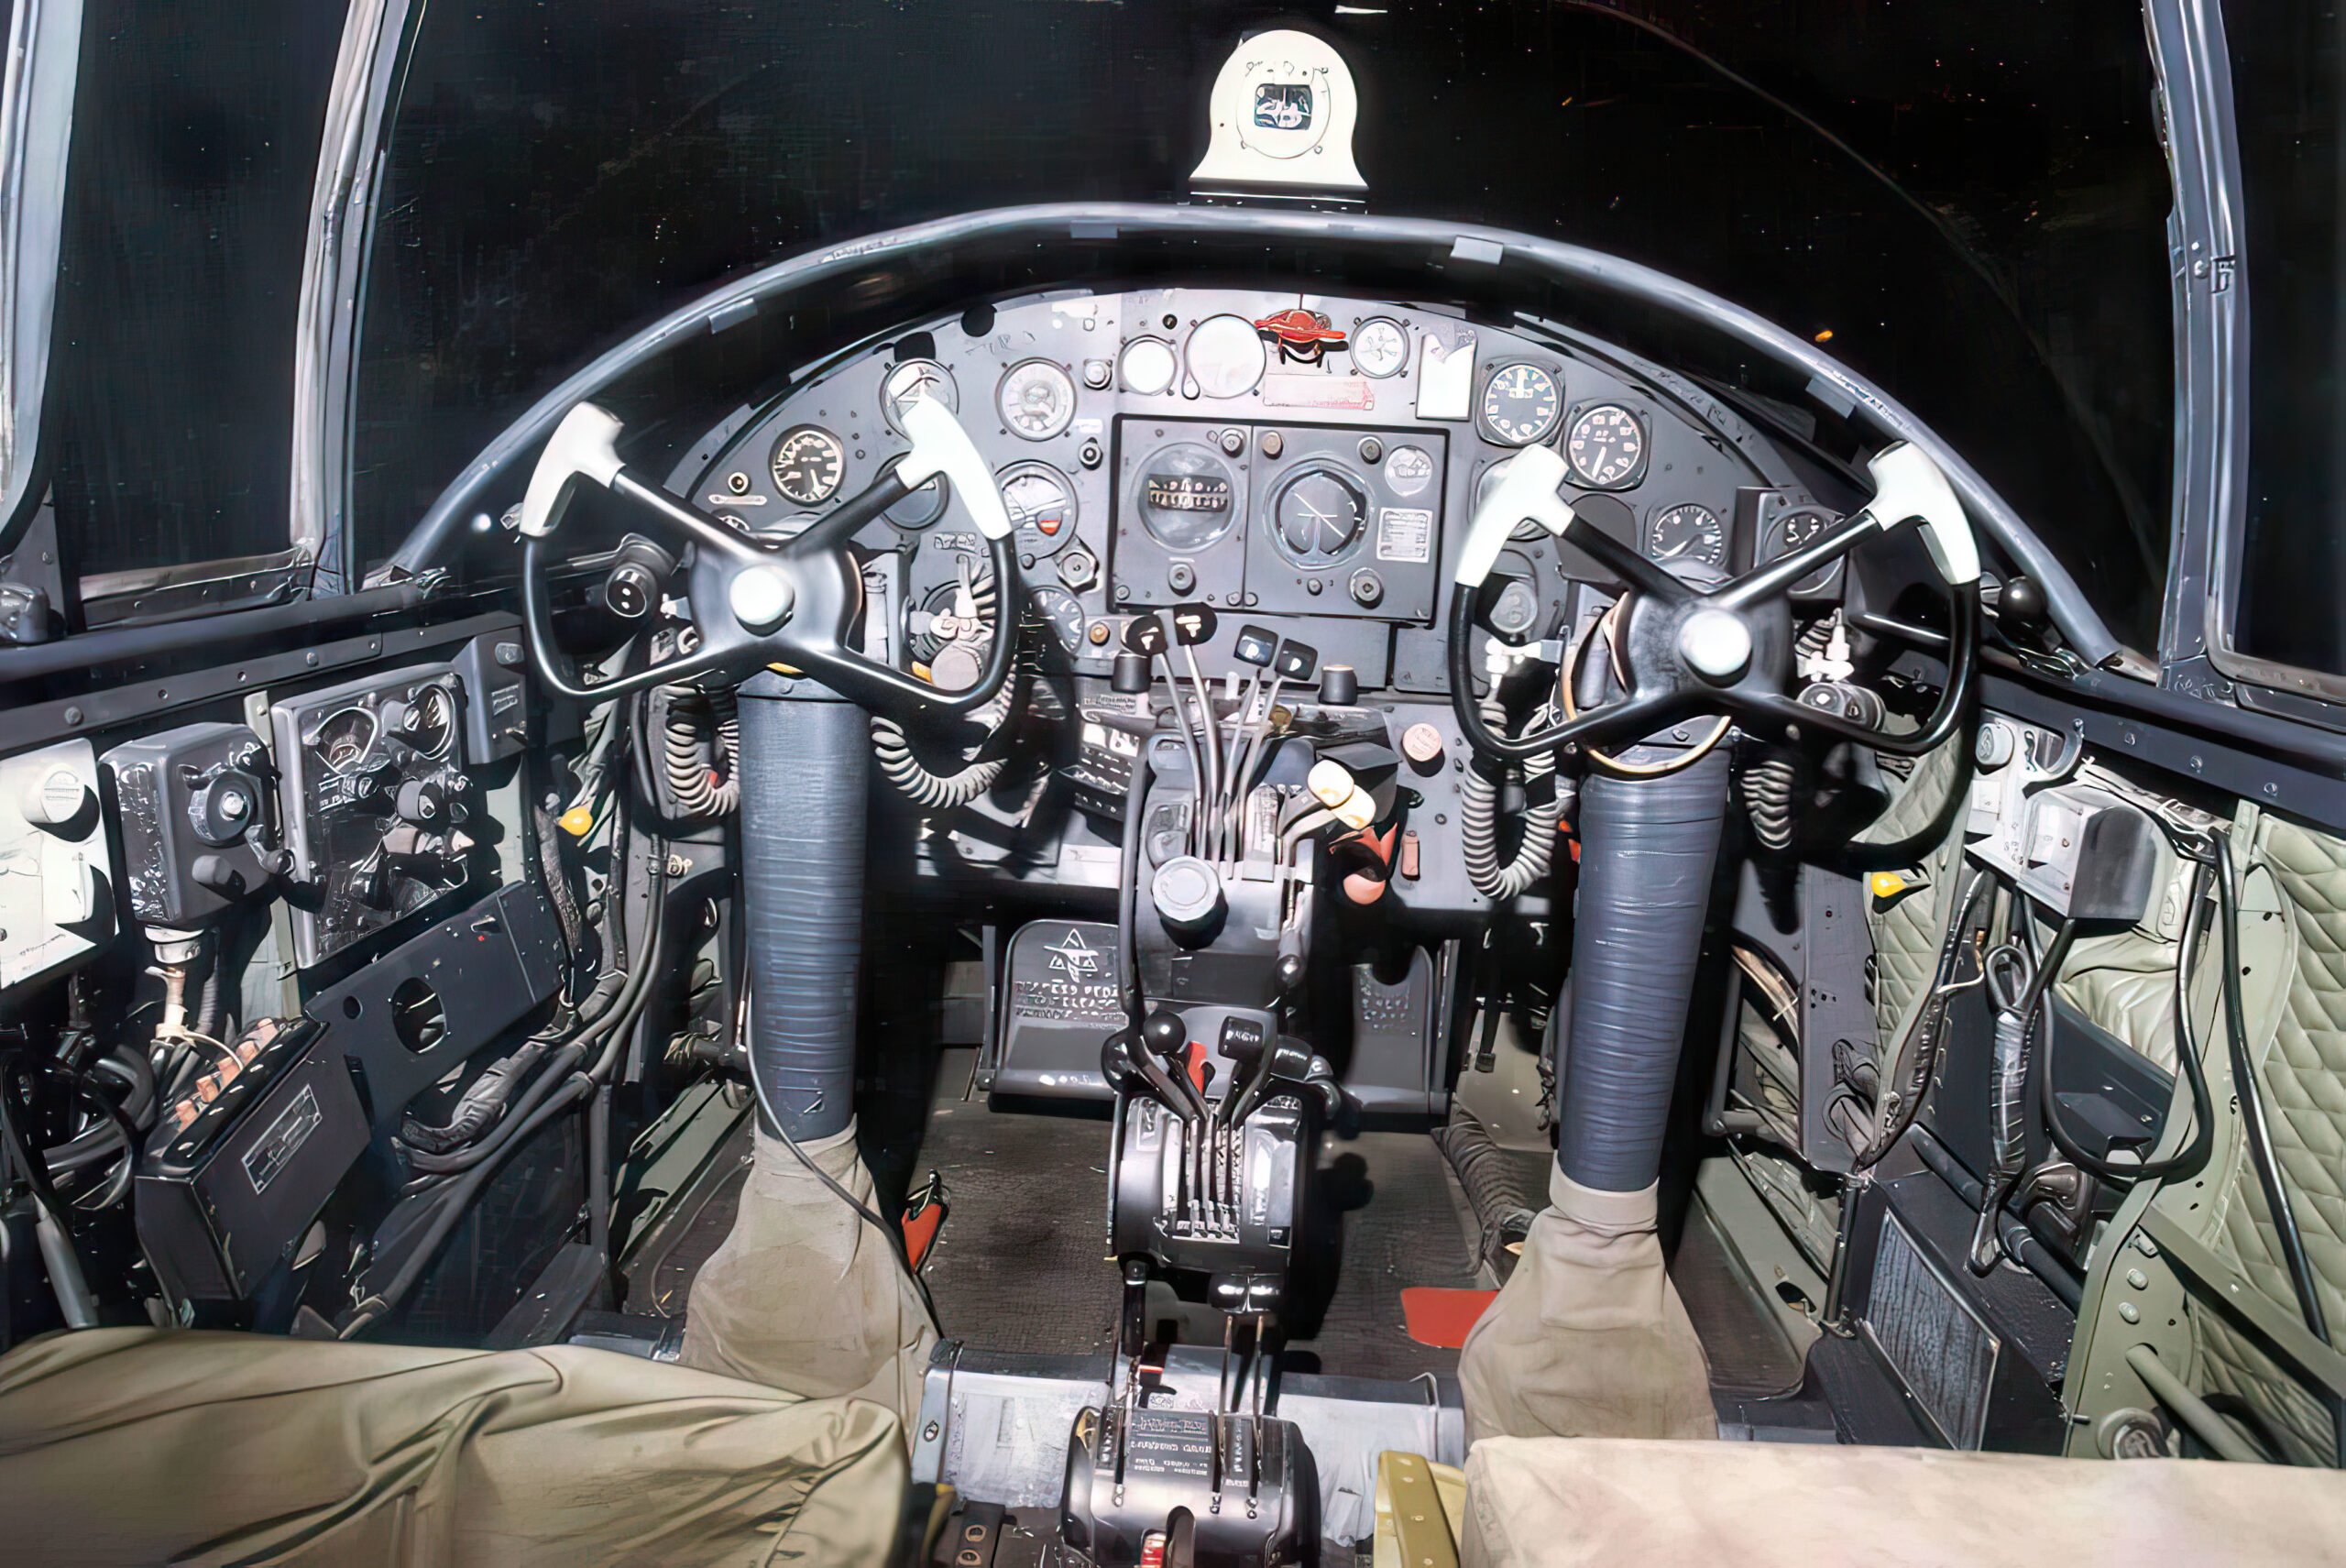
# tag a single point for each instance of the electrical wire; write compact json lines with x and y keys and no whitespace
{"x":889,"y":1233}
{"x":2187,"y":1049}
{"x":2252,"y":1105}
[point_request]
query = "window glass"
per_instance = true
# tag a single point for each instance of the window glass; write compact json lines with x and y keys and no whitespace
{"x":195,"y":142}
{"x":2285,"y":63}
{"x":1966,"y":202}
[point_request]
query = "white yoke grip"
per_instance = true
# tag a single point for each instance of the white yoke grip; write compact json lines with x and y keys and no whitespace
{"x":941,"y":447}
{"x":1907,"y":484}
{"x":1528,"y":491}
{"x":585,"y":442}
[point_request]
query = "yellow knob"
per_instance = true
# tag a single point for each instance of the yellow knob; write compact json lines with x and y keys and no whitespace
{"x":1886,"y":884}
{"x":577,"y":821}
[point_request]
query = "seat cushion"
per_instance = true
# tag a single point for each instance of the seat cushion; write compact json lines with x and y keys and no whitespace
{"x":135,"y":1446}
{"x":1555,"y":1501}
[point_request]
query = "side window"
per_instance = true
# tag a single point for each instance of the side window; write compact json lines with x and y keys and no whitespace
{"x":2291,"y":593}
{"x":169,"y":418}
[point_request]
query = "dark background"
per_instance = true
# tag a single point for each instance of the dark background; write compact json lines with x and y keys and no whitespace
{"x":1970,"y":200}
{"x":2286,"y":59}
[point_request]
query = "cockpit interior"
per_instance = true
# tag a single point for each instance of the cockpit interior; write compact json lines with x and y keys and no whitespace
{"x":1160,"y":861}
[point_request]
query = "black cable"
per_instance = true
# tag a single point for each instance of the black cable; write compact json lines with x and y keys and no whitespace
{"x":454,"y":1199}
{"x":1128,"y":890}
{"x":888,"y":1233}
{"x":2252,"y":1104}
{"x":1914,"y":1085}
{"x":78,"y":1082}
{"x":2203,"y":1108}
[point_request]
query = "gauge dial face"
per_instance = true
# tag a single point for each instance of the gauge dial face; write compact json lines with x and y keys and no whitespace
{"x":1688,"y":531}
{"x":1796,"y":528}
{"x":1408,"y":470}
{"x":1606,"y":448}
{"x":430,"y":722}
{"x":923,"y":507}
{"x":1380,"y":347}
{"x":1042,"y":503}
{"x":1519,"y":404}
{"x":1226,"y":356}
{"x":1148,"y":365}
{"x":1187,"y":497}
{"x":1318,"y":514}
{"x":910,"y":380}
{"x":344,"y":738}
{"x":1064,"y":614}
{"x":809,"y":463}
{"x":1036,"y":400}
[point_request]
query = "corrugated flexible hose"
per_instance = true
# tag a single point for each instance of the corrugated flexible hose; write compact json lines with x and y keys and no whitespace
{"x":804,"y":766}
{"x":1647,"y":846}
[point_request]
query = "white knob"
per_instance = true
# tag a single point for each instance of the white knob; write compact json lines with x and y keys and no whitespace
{"x":1716,"y":645}
{"x":761,"y":597}
{"x":55,"y":798}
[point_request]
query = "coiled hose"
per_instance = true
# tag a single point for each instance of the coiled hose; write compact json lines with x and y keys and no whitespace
{"x":1771,"y":786}
{"x":702,"y":747}
{"x":1478,"y":826}
{"x":932,"y":791}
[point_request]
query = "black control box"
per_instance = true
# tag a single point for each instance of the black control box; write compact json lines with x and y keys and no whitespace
{"x":375,"y":799}
{"x":231,"y":1183}
{"x":1242,"y":1489}
{"x":197,"y":806}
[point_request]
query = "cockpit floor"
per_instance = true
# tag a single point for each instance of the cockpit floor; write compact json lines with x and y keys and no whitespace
{"x":1020,"y":1264}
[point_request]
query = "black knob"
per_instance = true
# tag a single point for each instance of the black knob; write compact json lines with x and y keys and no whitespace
{"x":423,"y":802}
{"x":216,"y":872}
{"x":1164,"y":1034}
{"x":1116,"y":1059}
{"x":2022,"y":610}
{"x":1131,"y":678}
{"x":628,"y":591}
{"x":1339,"y":685}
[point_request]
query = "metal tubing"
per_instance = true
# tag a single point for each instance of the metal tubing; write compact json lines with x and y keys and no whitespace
{"x":2192,"y":1410}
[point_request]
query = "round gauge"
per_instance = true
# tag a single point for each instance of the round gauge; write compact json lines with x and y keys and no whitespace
{"x":1226,"y":357}
{"x":923,"y":507}
{"x":1317,"y":515}
{"x":342,"y":738}
{"x":1187,"y":497}
{"x":1796,"y":528}
{"x":1525,"y":529}
{"x":1606,"y":448}
{"x":1036,"y":400}
{"x":1519,"y":404}
{"x":1064,"y":614}
{"x":1687,"y":532}
{"x":908,"y":381}
{"x":1408,"y":470}
{"x":430,"y":721}
{"x":1148,"y":365}
{"x":1042,"y":503}
{"x":809,"y":463}
{"x":1380,"y":347}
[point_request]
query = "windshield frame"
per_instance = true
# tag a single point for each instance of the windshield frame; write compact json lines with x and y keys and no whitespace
{"x":2199,"y":655}
{"x":42,"y":68}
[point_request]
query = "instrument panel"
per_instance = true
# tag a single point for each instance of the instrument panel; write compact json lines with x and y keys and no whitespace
{"x":1313,"y":460}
